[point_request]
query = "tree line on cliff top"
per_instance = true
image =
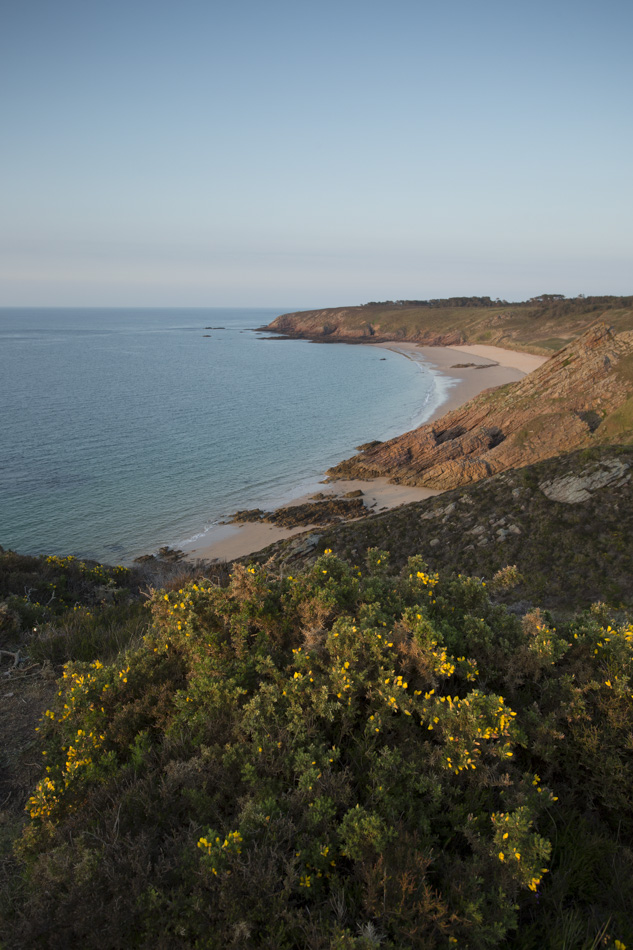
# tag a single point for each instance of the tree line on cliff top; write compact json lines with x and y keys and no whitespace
{"x":541,"y":305}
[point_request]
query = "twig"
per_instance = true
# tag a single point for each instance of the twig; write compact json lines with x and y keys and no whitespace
{"x":115,"y":828}
{"x":33,"y":666}
{"x":16,"y":656}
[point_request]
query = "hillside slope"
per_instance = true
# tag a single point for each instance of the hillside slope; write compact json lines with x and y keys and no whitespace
{"x":581,"y":396}
{"x":541,"y":325}
{"x":566,"y":523}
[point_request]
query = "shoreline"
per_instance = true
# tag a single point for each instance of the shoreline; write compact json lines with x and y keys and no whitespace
{"x":465,"y":372}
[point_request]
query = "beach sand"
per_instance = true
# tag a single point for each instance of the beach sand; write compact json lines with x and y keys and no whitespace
{"x":525,"y":362}
{"x":493,"y":366}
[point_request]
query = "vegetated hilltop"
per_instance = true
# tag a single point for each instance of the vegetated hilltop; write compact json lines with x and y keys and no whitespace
{"x":566,"y":524}
{"x":581,"y":396}
{"x":543,"y":324}
{"x":348,"y":757}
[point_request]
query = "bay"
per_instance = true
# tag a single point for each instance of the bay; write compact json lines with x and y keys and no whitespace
{"x":123,"y":430}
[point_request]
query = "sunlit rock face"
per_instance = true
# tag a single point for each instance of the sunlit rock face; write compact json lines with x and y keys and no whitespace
{"x":561,"y":406}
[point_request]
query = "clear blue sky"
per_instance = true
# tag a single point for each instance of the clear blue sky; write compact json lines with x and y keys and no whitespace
{"x":298,"y":154}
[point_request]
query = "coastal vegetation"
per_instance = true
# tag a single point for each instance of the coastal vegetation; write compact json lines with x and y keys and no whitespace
{"x":352,"y":755}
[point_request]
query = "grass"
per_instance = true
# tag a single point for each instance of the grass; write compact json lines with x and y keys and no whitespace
{"x":554,"y":343}
{"x":86,"y":635}
{"x":618,"y":424}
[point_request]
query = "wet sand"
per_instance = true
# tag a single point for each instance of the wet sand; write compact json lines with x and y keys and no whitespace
{"x":493,"y":366}
{"x":467,"y":381}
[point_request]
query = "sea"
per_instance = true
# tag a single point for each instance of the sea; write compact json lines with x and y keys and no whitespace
{"x":127,"y":429}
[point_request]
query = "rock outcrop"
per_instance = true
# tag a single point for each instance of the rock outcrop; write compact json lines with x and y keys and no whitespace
{"x":578,"y":487}
{"x":352,"y":325}
{"x":319,"y":512}
{"x":555,"y":409}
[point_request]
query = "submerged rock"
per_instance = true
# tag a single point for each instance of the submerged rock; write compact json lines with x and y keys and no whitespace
{"x":248,"y":515}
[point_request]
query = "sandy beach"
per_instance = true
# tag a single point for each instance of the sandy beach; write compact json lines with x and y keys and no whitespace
{"x":470,"y":370}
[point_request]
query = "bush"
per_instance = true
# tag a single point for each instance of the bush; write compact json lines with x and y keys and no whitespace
{"x":343,"y":758}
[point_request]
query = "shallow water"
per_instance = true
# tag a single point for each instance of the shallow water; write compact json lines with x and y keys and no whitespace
{"x":123,"y":430}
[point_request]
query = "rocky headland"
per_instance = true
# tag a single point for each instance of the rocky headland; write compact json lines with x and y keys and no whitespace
{"x":583,"y":395}
{"x":351,"y":325}
{"x":540,"y":325}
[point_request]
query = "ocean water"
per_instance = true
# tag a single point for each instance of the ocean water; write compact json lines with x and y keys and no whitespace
{"x":123,"y":430}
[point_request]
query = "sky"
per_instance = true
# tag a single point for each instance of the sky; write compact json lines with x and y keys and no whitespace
{"x":298,"y":154}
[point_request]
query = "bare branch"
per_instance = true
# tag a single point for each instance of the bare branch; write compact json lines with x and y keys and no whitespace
{"x":17,"y":659}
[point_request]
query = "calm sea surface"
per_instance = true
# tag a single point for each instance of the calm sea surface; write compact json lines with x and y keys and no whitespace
{"x":123,"y":430}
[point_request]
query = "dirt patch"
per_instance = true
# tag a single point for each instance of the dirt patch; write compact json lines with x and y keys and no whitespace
{"x":24,"y":697}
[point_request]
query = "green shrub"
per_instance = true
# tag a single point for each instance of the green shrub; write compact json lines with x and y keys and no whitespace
{"x":337,"y":759}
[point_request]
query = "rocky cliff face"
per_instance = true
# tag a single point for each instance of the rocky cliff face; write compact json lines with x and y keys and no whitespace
{"x":353,"y":325}
{"x":557,"y":408}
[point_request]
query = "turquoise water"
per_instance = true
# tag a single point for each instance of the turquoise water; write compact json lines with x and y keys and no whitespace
{"x":123,"y":430}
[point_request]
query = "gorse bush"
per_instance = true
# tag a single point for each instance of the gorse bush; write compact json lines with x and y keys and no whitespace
{"x":64,"y":608}
{"x":53,"y":583}
{"x":61,"y":609}
{"x":345,"y":758}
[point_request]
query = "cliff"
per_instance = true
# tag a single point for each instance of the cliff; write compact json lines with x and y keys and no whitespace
{"x":361,"y":325}
{"x":583,"y":395}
